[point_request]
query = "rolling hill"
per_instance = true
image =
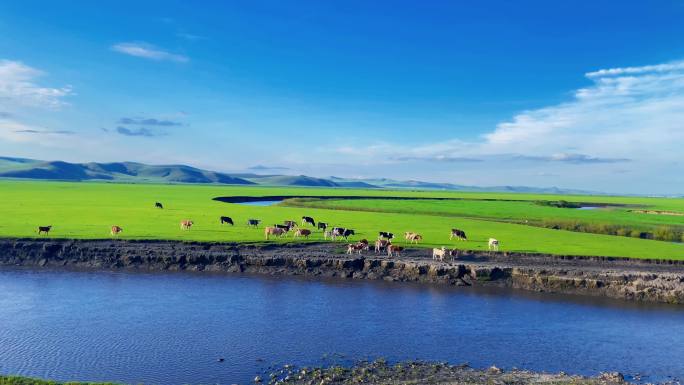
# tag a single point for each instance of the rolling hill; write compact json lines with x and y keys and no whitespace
{"x":132,"y":172}
{"x":118,"y":171}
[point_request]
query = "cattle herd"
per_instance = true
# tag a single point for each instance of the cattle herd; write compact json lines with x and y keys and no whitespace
{"x":382,"y":244}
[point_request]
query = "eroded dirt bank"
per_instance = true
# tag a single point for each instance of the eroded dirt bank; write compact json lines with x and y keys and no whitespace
{"x":636,"y":280}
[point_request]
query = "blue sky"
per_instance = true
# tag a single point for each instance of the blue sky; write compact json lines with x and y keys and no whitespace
{"x":580,"y":94}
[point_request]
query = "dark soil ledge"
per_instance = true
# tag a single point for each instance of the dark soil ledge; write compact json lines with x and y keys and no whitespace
{"x":635,"y":280}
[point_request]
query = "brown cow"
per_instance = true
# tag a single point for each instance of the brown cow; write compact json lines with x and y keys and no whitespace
{"x":355,"y":247}
{"x":415,"y":238}
{"x":186,"y":224}
{"x":363,"y":242}
{"x":393,"y":250}
{"x":116,"y":230}
{"x":381,"y":244}
{"x":302,"y":233}
{"x":278,"y":232}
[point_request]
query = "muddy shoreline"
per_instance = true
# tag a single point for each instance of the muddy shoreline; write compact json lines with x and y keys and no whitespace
{"x":657,"y":281}
{"x":420,"y":372}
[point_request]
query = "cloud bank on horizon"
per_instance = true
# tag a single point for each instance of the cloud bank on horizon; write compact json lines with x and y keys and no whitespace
{"x":632,"y":114}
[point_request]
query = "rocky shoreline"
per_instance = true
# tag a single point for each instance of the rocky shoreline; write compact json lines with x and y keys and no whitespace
{"x":628,"y":279}
{"x":402,"y":373}
{"x":419,"y":372}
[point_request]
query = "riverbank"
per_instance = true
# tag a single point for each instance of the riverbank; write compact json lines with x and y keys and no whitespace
{"x":380,"y":372}
{"x":627,"y":279}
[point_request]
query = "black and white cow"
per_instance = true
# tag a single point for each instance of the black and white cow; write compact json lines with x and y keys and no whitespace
{"x":385,"y":235}
{"x":308,"y":220}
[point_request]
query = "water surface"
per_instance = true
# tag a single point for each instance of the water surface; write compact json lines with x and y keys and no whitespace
{"x":171,"y":328}
{"x":260,"y":203}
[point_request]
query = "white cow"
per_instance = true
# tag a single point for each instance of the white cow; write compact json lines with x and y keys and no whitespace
{"x":439,"y":254}
{"x":493,"y":244}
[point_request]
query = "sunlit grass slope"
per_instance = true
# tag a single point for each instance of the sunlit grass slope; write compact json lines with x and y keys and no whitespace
{"x":88,"y":210}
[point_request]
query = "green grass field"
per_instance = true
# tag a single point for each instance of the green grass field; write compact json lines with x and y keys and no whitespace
{"x":511,"y":211}
{"x":88,"y":210}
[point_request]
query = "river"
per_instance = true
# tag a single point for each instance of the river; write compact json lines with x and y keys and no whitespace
{"x":170,"y":328}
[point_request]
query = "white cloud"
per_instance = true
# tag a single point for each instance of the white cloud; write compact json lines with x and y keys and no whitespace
{"x":19,"y":92}
{"x":18,"y":87}
{"x":148,"y":51}
{"x":627,"y":114}
{"x":666,"y":67}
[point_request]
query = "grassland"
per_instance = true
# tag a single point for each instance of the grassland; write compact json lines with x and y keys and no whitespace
{"x":88,"y":210}
{"x":511,"y":211}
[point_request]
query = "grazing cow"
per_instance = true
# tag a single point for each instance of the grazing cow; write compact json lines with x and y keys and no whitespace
{"x":415,"y":238}
{"x":290,"y":224}
{"x":493,"y":244}
{"x":158,"y":205}
{"x":322,"y":226}
{"x":44,"y":229}
{"x":439,"y":254}
{"x":186,"y":224}
{"x":284,"y":227}
{"x":347,"y":233}
{"x":408,"y":235}
{"x":116,"y":230}
{"x":393,"y":250}
{"x":328,"y":234}
{"x":228,"y":220}
{"x":381,"y":244}
{"x":302,"y":233}
{"x":354,"y":247}
{"x":308,"y":220}
{"x":253,"y":222}
{"x":277,"y":231}
{"x":337,"y":232}
{"x":385,"y":235}
{"x":459,"y":234}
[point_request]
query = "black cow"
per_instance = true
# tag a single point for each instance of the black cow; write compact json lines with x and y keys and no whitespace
{"x":385,"y":235}
{"x":308,"y":220}
{"x":347,"y":233}
{"x":44,"y":229}
{"x":227,"y":220}
{"x":322,"y":225}
{"x":253,"y":222}
{"x":284,"y":227}
{"x":158,"y":205}
{"x":459,"y":234}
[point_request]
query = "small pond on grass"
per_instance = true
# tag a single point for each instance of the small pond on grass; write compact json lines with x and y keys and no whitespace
{"x":170,"y":328}
{"x":260,"y":203}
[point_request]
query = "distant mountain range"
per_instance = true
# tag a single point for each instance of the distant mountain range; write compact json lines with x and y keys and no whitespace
{"x":133,"y":172}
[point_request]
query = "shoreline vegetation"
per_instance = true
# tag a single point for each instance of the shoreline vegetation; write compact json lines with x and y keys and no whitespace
{"x":382,"y":372}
